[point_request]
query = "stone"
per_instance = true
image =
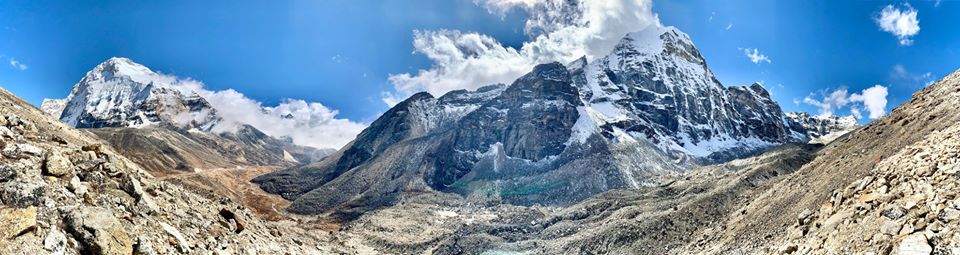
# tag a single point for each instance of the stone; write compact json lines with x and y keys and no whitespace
{"x":3,"y":121}
{"x":22,"y":193}
{"x":13,"y":120}
{"x":892,"y":213}
{"x":21,"y":151}
{"x":147,"y":206}
{"x":801,"y":218}
{"x":181,"y":242}
{"x":55,"y":242}
{"x":788,"y":249}
{"x":890,"y":227}
{"x":78,"y":187}
{"x":949,"y":215}
{"x":145,"y":247}
{"x":132,"y":186}
{"x":98,"y":231}
{"x":229,"y":215}
{"x":915,"y":244}
{"x":95,"y":148}
{"x":57,"y":165}
{"x":17,"y":221}
{"x":7,"y":173}
{"x":831,"y":223}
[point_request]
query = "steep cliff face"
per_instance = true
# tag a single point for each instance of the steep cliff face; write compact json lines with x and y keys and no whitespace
{"x":637,"y":117}
{"x":655,"y":85}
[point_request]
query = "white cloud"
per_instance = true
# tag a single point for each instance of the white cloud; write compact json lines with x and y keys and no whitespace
{"x":831,"y":101}
{"x":874,"y":99}
{"x":902,"y":23}
{"x":900,"y":72}
{"x":391,"y":99}
{"x":729,"y":26}
{"x":711,"y":16}
{"x":307,"y":123}
{"x":16,"y":64}
{"x":755,"y":56}
{"x":561,"y":30}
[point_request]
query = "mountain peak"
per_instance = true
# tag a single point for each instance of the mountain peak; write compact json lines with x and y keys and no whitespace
{"x":123,"y":93}
{"x":118,"y":67}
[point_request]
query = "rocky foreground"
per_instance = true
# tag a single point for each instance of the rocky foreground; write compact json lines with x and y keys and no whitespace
{"x":62,"y":192}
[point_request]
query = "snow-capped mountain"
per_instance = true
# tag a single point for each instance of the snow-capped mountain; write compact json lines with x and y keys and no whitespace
{"x":166,"y":125}
{"x":819,"y":129}
{"x":121,"y":93}
{"x":637,"y":117}
{"x":655,"y":85}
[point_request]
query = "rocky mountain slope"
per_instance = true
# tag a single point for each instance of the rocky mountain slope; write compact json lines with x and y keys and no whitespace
{"x":166,"y":127}
{"x":63,"y":192}
{"x":638,"y":117}
{"x":875,"y":155}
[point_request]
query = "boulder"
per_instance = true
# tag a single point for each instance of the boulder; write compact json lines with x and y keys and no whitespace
{"x":98,"y":231}
{"x":57,"y":165}
{"x":181,"y":244}
{"x":915,"y":244}
{"x":229,"y":215}
{"x":55,"y":242}
{"x":22,"y":193}
{"x":20,"y":151}
{"x":17,"y":221}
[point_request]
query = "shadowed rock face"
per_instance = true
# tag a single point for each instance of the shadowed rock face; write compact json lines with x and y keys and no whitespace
{"x":530,"y":120}
{"x":638,"y":117}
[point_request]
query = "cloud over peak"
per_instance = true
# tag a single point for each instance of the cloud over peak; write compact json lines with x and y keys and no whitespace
{"x":306,"y":123}
{"x":560,"y":30}
{"x":902,"y":23}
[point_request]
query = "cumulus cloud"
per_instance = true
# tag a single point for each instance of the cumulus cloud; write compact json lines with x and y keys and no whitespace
{"x":306,"y":123}
{"x":902,"y":23}
{"x":873,"y":100}
{"x":560,"y":30}
{"x":831,"y":102}
{"x":755,"y":56}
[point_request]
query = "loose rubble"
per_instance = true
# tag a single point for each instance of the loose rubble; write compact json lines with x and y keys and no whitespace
{"x":911,"y":204}
{"x":62,"y":192}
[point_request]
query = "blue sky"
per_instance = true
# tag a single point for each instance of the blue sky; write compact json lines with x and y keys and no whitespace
{"x":342,"y":53}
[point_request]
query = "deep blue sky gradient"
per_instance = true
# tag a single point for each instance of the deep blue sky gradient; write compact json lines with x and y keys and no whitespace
{"x":340,"y":53}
